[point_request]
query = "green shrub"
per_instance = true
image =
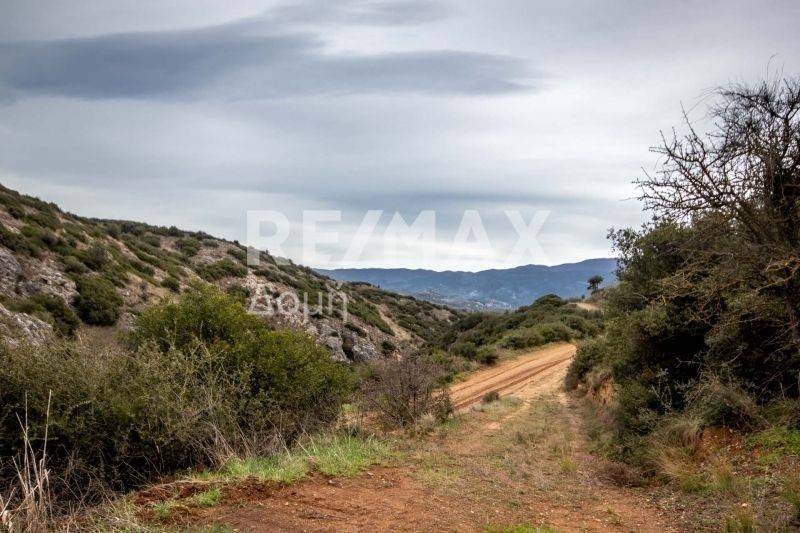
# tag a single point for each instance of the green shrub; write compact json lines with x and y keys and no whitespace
{"x":239,"y":292}
{"x":188,"y":246}
{"x":73,"y":265}
{"x":97,"y":301}
{"x":366,"y":312}
{"x":152,"y":240}
{"x":387,"y":347}
{"x":239,"y":255}
{"x":589,"y":356}
{"x":95,"y":257}
{"x":486,"y":355}
{"x":224,"y":382}
{"x":466,"y":349}
{"x":50,"y":308}
{"x":18,"y":243}
{"x":221,"y":269}
{"x":172,"y":283}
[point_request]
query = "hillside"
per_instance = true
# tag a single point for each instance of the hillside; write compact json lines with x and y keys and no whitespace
{"x":495,"y":289}
{"x":51,"y":260}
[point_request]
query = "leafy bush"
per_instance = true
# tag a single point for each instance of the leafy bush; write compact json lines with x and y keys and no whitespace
{"x":97,"y":301}
{"x":172,"y":283}
{"x":221,"y":269}
{"x":240,"y":292}
{"x":188,"y":246}
{"x":387,"y":347}
{"x":486,"y":355}
{"x":221,"y":382}
{"x":152,"y":240}
{"x":95,"y":257}
{"x":50,"y":308}
{"x":239,"y":255}
{"x":73,"y":265}
{"x":18,"y":243}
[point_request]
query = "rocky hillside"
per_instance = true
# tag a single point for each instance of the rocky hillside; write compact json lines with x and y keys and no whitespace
{"x":63,"y":272}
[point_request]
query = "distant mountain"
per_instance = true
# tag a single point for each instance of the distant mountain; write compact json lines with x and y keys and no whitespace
{"x":496,"y":289}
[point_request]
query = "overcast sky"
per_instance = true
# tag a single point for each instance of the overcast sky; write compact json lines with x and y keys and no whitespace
{"x":191,"y":112}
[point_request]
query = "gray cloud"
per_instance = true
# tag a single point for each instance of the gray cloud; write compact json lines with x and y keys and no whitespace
{"x":380,"y":13}
{"x":190,"y":112}
{"x":252,"y":58}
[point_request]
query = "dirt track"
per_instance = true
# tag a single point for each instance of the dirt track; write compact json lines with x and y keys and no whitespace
{"x":535,"y":372}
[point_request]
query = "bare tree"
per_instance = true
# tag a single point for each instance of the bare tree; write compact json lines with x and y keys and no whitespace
{"x":740,"y":184}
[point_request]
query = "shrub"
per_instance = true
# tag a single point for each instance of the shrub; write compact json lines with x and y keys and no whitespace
{"x":73,"y":265}
{"x":387,"y":347}
{"x":97,"y":301}
{"x":401,"y":392}
{"x":226,"y":383}
{"x":239,"y":255}
{"x":486,"y":355}
{"x":152,"y":240}
{"x":95,"y":257}
{"x":590,"y":354}
{"x":52,"y":309}
{"x":188,"y":246}
{"x":240,"y":292}
{"x":491,"y":396}
{"x":221,"y":269}
{"x":172,"y":283}
{"x":113,"y":230}
{"x":467,"y":350}
{"x":18,"y":243}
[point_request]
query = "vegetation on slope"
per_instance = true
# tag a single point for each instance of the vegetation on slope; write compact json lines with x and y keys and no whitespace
{"x":480,"y":336}
{"x":201,"y":380}
{"x":107,"y":269}
{"x":704,"y":325}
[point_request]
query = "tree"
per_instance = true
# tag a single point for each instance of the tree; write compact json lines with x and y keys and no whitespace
{"x":594,"y":283}
{"x":740,"y":187}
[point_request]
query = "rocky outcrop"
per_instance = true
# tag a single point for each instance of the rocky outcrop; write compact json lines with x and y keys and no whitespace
{"x":20,"y":328}
{"x":357,"y":348}
{"x":44,"y":277}
{"x":10,"y":271}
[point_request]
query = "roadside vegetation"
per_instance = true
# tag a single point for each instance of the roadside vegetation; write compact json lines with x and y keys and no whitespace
{"x":199,"y":381}
{"x":482,"y":338}
{"x":702,"y":344}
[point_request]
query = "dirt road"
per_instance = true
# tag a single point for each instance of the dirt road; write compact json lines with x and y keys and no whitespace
{"x":510,"y":465}
{"x":537,"y":371}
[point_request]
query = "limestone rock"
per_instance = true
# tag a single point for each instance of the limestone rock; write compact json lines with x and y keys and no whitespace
{"x":18,"y":328}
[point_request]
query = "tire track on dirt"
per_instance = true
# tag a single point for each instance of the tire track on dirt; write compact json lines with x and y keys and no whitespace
{"x":510,"y":376}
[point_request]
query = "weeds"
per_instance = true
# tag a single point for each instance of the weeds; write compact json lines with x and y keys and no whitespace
{"x":742,"y":522}
{"x":31,"y":509}
{"x":335,"y":455}
{"x":791,"y":493}
{"x":207,"y":498}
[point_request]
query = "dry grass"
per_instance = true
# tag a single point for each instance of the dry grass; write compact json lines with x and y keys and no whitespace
{"x":28,"y":506}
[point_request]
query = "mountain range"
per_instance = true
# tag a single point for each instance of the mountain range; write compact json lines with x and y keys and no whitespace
{"x":496,"y":289}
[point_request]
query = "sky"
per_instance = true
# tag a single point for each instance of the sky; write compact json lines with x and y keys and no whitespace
{"x":193,"y":112}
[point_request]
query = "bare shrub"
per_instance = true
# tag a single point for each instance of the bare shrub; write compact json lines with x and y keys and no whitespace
{"x":401,"y":392}
{"x":491,"y":396}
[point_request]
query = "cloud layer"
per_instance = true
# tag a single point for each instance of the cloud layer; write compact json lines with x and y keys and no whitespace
{"x":191,"y":112}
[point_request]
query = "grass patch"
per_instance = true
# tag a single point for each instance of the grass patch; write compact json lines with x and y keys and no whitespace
{"x":207,"y":498}
{"x":280,"y":468}
{"x":777,"y":442}
{"x":346,"y":456}
{"x":336,"y":455}
{"x":163,"y":510}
